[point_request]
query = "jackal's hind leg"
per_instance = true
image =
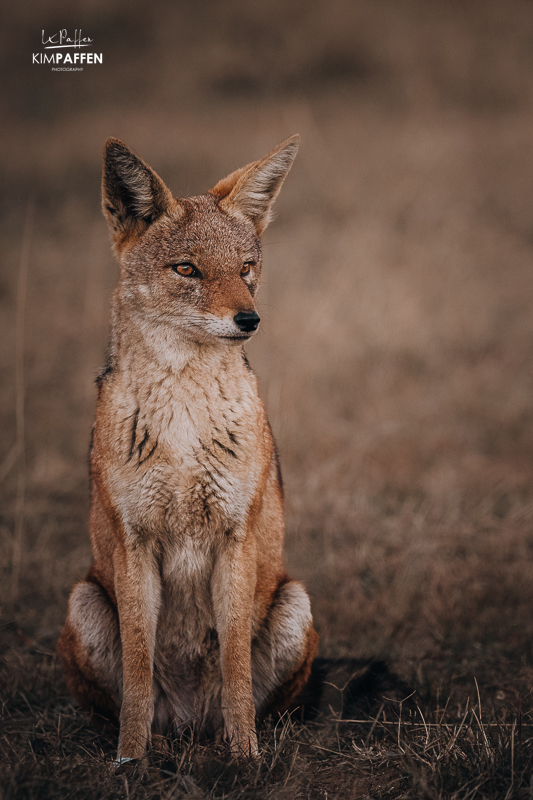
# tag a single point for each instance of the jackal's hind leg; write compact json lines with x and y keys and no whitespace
{"x":283,"y":650}
{"x":90,"y":650}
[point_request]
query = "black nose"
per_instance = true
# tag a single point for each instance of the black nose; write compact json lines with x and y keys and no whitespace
{"x":246,"y":320}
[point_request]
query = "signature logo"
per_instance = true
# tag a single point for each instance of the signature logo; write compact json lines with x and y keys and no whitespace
{"x":62,"y":39}
{"x":62,"y":42}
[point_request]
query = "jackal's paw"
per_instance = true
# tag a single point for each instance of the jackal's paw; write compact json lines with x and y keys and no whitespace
{"x":128,"y":766}
{"x":243,"y":750}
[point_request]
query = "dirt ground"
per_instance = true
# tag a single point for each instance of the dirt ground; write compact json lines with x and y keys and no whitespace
{"x":395,"y":361}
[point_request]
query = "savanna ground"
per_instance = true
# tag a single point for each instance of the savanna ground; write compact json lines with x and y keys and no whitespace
{"x":395,"y":359}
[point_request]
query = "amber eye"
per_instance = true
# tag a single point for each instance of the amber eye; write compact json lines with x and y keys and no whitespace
{"x":186,"y":269}
{"x":246,"y":267}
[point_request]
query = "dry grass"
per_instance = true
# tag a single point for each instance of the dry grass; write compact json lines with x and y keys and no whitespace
{"x":395,"y":361}
{"x":50,"y":750}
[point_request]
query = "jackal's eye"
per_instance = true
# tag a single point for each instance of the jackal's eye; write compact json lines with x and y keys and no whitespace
{"x":186,"y":269}
{"x":246,"y":268}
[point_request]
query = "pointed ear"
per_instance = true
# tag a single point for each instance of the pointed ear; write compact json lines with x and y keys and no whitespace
{"x":251,"y":191}
{"x":133,"y":195}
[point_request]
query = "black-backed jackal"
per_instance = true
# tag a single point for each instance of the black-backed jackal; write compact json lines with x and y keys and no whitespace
{"x":187,"y":616}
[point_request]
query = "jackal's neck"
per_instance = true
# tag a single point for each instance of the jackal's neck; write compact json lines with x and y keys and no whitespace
{"x":148,"y":348}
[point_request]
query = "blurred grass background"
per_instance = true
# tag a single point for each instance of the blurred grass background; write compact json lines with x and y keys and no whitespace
{"x":397,"y":338}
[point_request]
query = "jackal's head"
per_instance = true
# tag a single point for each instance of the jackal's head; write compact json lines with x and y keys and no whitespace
{"x":191,"y":263}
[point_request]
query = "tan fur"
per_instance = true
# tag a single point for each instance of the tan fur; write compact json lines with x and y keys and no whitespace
{"x":187,"y":617}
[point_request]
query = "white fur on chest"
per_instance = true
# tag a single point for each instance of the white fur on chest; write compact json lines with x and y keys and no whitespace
{"x":201,"y":433}
{"x":209,"y":446}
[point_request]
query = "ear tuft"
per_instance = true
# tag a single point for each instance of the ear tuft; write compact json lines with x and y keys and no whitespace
{"x":252,"y":190}
{"x":133,"y":195}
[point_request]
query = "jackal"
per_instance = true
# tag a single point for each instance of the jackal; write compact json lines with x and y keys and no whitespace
{"x":187,"y":616}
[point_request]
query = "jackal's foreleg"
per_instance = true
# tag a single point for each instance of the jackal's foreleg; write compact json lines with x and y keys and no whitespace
{"x":233,"y":585}
{"x":138,"y":591}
